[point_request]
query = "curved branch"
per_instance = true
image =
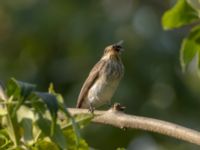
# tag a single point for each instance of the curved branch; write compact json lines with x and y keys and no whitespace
{"x":121,"y":120}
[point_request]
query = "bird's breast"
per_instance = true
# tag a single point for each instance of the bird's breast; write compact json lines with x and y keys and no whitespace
{"x":102,"y":91}
{"x":105,"y":85}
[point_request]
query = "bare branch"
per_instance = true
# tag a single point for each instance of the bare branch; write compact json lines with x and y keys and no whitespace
{"x":121,"y":120}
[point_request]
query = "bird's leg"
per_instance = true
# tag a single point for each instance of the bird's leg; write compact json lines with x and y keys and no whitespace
{"x":91,"y":108}
{"x":109,"y":104}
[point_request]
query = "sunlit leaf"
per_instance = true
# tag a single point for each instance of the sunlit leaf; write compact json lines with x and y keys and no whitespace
{"x":190,"y":47}
{"x":52,"y":104}
{"x":26,"y":119}
{"x":75,"y":141}
{"x":72,"y":141}
{"x":4,"y":140}
{"x":45,"y":145}
{"x":195,"y":4}
{"x":35,"y":119}
{"x":81,"y":119}
{"x":119,"y":148}
{"x":51,"y":89}
{"x":181,"y":14}
{"x":12,"y":130}
{"x":3,"y":112}
{"x":65,"y":112}
{"x":27,"y":125}
{"x":58,"y":95}
{"x":12,"y":126}
{"x":72,"y":123}
{"x":58,"y":136}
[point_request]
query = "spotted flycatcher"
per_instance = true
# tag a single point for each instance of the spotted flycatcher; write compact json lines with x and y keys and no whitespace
{"x":103,"y":79}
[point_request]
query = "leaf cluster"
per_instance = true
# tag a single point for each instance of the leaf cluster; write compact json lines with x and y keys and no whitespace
{"x":29,"y":119}
{"x":186,"y":12}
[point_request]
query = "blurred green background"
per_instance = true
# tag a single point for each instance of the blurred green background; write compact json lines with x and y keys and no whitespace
{"x":43,"y":41}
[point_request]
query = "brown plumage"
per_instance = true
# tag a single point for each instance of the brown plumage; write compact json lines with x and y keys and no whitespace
{"x":103,"y":79}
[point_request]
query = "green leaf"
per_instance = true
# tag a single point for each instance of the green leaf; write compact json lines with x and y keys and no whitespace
{"x":51,"y":89}
{"x":45,"y":145}
{"x":37,"y":104}
{"x":194,"y":4}
{"x":20,"y":91}
{"x":63,"y":109}
{"x":190,"y":48}
{"x":12,"y":126}
{"x":27,"y":126}
{"x":58,"y":95}
{"x":51,"y":102}
{"x":26,"y":118}
{"x":58,"y":136}
{"x":72,"y":141}
{"x":3,"y":111}
{"x":179,"y":15}
{"x":81,"y":119}
{"x":4,"y":140}
{"x":52,"y":105}
{"x":13,"y":130}
{"x":119,"y":148}
{"x":72,"y":123}
{"x":73,"y":138}
{"x":19,"y":88}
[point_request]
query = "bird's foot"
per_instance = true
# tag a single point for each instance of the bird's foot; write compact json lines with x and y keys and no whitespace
{"x":118,"y":107}
{"x":91,"y":109}
{"x":109,"y":105}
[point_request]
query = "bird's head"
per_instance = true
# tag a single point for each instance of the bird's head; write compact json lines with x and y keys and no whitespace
{"x":113,"y":50}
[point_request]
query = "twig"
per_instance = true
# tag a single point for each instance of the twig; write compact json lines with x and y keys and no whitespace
{"x":121,"y":120}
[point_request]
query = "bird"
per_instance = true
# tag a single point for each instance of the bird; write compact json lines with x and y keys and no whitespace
{"x":103,"y":79}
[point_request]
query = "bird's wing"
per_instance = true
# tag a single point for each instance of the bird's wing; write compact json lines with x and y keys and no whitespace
{"x":93,"y":76}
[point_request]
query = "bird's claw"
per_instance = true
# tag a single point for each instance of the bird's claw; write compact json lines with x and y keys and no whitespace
{"x":118,"y":107}
{"x":91,"y":109}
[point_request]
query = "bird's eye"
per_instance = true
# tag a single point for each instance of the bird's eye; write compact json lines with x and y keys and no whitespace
{"x":117,"y":47}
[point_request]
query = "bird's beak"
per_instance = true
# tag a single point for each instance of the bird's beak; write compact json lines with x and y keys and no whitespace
{"x":118,"y":45}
